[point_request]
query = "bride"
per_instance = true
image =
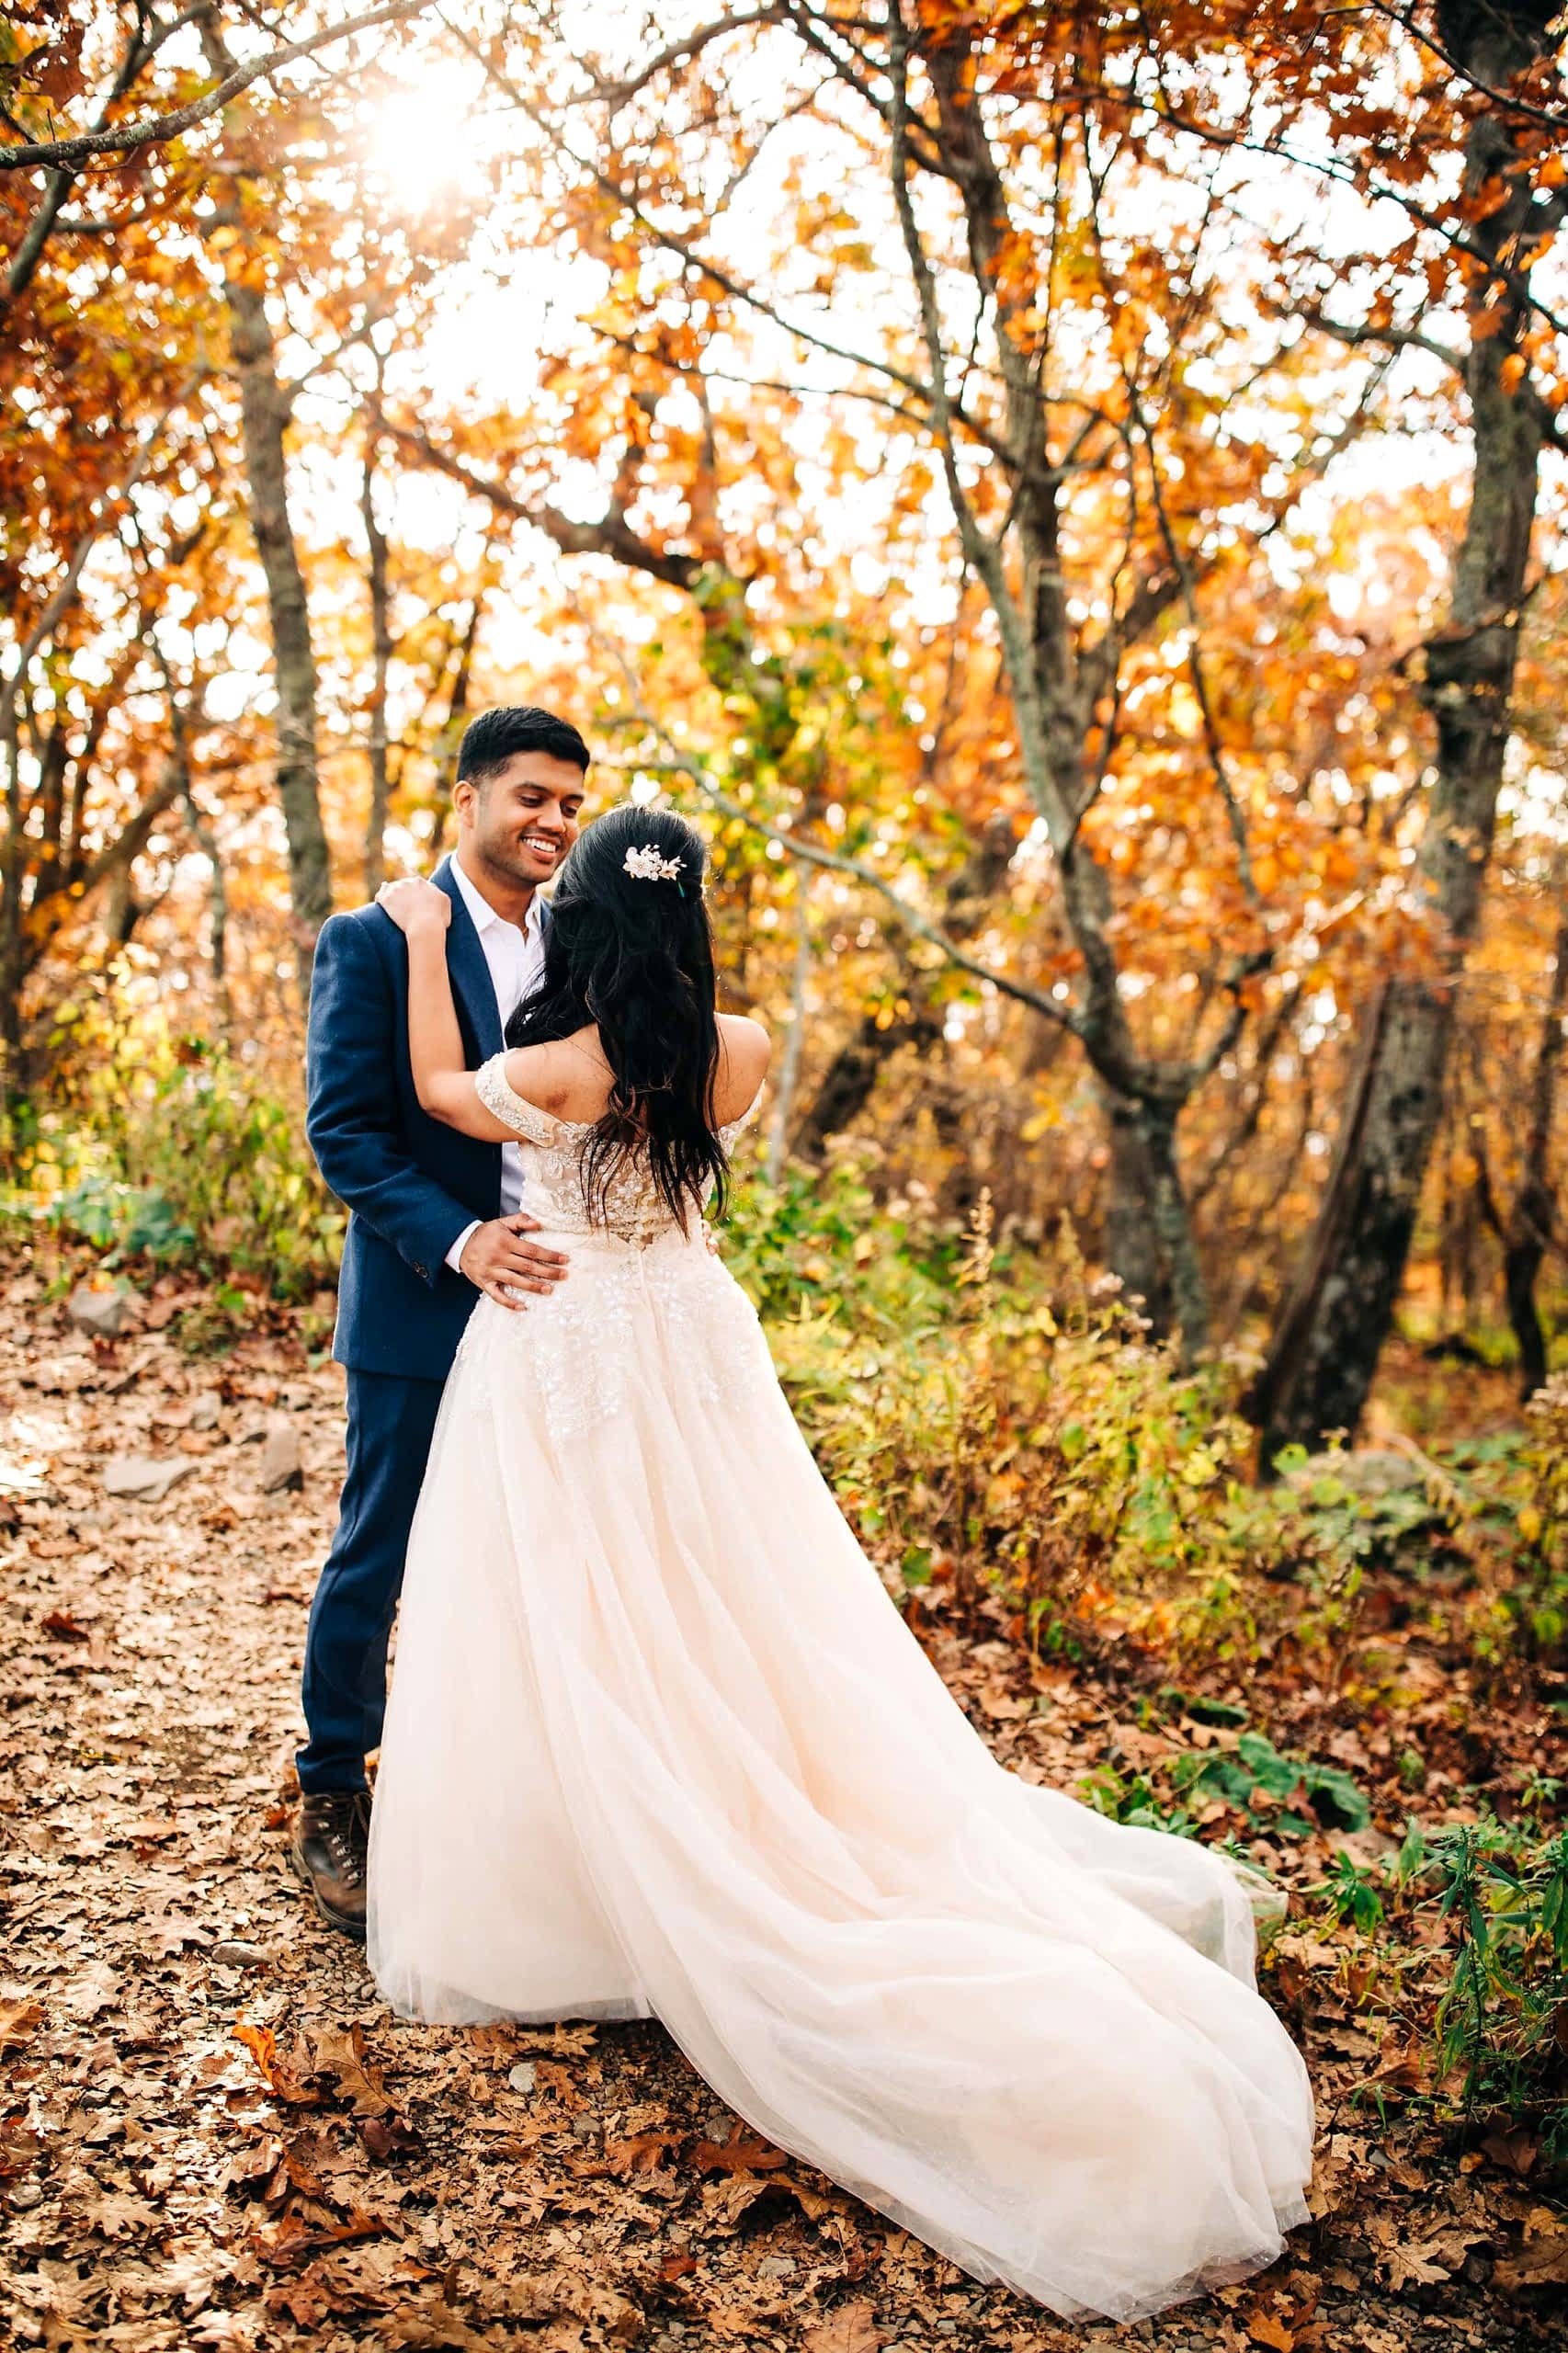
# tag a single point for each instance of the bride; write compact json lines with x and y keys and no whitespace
{"x":659,"y":1743}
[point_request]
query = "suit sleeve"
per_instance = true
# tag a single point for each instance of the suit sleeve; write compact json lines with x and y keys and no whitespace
{"x":352,"y":1116}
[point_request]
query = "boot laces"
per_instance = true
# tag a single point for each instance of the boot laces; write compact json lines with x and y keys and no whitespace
{"x":337,"y":1823}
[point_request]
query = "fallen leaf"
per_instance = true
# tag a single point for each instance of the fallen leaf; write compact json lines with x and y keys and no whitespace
{"x":1540,"y":2262}
{"x":292,"y":2242}
{"x":389,"y":2136}
{"x":63,"y":1628}
{"x":851,"y":2329}
{"x":742,"y":2152}
{"x":342,"y":2057}
{"x":283,"y":2077}
{"x":1516,"y":2150}
{"x":1413,"y":2266}
{"x":20,"y":2151}
{"x":20,"y":2021}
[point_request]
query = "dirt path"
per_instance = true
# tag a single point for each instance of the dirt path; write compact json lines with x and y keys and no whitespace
{"x":213,"y":2132}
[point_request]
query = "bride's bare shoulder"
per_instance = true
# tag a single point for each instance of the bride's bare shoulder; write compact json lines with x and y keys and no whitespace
{"x":744,"y":1049}
{"x":566,"y":1078}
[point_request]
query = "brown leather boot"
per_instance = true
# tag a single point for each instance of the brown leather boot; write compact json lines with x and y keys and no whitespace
{"x":328,"y":1849}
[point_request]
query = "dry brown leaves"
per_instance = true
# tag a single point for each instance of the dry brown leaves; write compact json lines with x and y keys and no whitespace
{"x":213,"y":2134}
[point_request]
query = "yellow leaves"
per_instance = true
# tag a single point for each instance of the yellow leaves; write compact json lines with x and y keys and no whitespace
{"x":1487,"y":199}
{"x":1184,"y":711}
{"x":1511,"y":375}
{"x":1024,"y":327}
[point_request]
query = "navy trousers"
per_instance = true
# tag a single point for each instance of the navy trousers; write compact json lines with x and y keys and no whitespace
{"x":391,"y":1423}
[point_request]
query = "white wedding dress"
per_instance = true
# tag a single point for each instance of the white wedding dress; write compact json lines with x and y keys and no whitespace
{"x":659,"y":1744}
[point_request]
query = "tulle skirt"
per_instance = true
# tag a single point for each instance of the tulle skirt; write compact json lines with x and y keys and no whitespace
{"x":659,"y":1744}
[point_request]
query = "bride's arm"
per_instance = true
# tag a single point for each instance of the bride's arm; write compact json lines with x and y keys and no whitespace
{"x":443,"y":1084}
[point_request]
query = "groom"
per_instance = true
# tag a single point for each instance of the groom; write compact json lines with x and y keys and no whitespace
{"x":434,"y":1219}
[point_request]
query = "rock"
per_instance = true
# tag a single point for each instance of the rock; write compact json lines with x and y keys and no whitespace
{"x":280,"y":1465}
{"x":102,"y":1310}
{"x":140,"y":1478}
{"x":205,"y":1410}
{"x":234,"y":1954}
{"x":521,"y":2077}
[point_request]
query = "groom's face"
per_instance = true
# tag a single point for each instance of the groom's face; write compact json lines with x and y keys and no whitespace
{"x":524,"y":817}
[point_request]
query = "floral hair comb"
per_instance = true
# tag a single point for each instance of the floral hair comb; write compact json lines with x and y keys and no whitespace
{"x":649,"y":865}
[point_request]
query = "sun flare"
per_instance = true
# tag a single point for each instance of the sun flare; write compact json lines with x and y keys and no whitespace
{"x":426,"y":144}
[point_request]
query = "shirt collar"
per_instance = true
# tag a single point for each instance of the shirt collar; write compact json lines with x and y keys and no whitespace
{"x":485,"y":917}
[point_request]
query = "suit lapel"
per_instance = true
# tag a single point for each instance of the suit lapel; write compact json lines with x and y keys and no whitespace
{"x":472,"y":984}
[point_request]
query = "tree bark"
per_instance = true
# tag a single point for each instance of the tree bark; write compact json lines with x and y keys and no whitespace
{"x":380,"y":662}
{"x":264,"y":408}
{"x":1056,"y":680}
{"x":851,"y":1077}
{"x":264,"y":422}
{"x":1326,"y":1349}
{"x":1529,"y":1230}
{"x":1131,"y":1245}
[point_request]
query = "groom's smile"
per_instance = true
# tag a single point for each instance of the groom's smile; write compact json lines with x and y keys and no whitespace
{"x":519,"y":819}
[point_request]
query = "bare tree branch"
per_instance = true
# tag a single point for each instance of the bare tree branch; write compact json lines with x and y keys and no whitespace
{"x":124,"y":139}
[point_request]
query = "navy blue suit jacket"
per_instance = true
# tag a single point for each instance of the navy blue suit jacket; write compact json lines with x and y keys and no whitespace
{"x":410,"y":1183}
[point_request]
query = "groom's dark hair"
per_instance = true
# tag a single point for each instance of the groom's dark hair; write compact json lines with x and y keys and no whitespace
{"x":490,"y":741}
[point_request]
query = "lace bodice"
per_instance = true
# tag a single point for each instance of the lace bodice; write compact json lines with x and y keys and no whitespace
{"x":636,"y":1211}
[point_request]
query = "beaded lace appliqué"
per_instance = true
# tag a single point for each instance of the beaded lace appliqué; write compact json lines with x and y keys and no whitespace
{"x":579,"y":1350}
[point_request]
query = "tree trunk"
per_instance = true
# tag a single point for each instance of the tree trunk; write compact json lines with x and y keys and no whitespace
{"x":264,"y":407}
{"x":450,"y":739}
{"x":380,"y":662}
{"x":1326,"y":1349}
{"x":264,"y":422}
{"x":1131,"y":1247}
{"x":1170,"y":1218}
{"x":1531,"y":1224}
{"x":852,"y":1075}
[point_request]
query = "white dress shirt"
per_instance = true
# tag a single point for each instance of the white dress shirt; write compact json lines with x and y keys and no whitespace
{"x":515,"y":956}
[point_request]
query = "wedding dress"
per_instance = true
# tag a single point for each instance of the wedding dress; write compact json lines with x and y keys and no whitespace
{"x":660,"y":1743}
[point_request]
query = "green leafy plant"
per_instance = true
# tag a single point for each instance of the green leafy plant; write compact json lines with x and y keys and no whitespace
{"x":1290,"y":1795}
{"x":166,"y":1148}
{"x":1502,"y":2016}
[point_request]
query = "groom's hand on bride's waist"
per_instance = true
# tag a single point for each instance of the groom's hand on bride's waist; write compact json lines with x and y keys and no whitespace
{"x":502,"y":1262}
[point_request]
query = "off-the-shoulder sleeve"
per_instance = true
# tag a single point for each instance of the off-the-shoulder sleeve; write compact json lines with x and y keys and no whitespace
{"x":732,"y":1130}
{"x":511,"y":1109}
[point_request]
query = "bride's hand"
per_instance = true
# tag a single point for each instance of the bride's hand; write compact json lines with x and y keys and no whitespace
{"x":416,"y":906}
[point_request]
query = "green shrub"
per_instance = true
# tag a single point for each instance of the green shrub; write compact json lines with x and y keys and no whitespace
{"x":994,"y":1416}
{"x":166,"y":1148}
{"x":1503,"y":1894}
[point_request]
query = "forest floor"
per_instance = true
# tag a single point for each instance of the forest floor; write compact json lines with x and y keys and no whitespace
{"x":213,"y":2132}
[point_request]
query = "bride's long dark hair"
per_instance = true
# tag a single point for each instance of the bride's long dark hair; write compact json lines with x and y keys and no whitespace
{"x":632,"y":952}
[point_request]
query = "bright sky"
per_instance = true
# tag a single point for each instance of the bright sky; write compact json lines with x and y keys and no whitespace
{"x":430,"y":144}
